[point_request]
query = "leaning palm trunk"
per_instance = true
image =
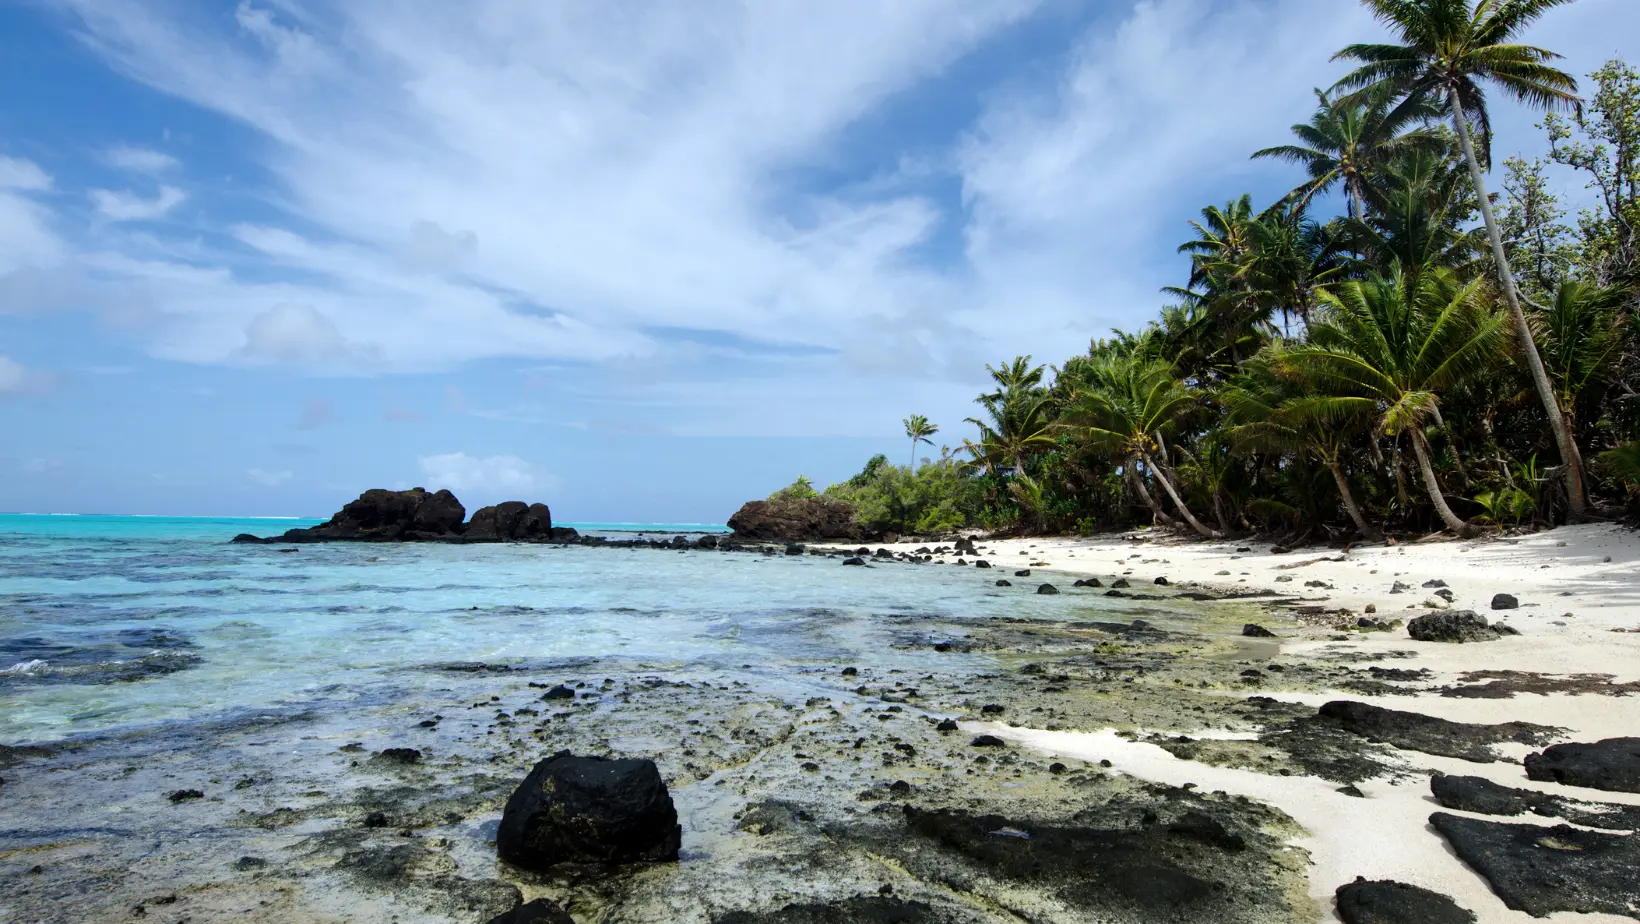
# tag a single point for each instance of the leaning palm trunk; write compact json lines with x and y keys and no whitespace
{"x":1421,"y":449}
{"x":1178,"y":501}
{"x":1577,"y":501}
{"x":1366,"y":529}
{"x":1138,"y":482}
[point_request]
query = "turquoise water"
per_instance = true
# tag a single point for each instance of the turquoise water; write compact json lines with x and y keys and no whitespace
{"x":109,"y":623}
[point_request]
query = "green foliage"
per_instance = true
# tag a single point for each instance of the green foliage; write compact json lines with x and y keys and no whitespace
{"x":937,"y":498}
{"x":1624,"y":464}
{"x":800,"y":489}
{"x":1340,"y":373}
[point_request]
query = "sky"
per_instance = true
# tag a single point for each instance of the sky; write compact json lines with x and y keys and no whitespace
{"x":640,"y":260}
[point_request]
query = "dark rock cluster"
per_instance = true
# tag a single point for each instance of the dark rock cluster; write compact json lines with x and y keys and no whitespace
{"x":380,"y":515}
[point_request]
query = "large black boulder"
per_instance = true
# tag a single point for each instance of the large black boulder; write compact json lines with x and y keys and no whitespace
{"x":861,"y":909}
{"x":1612,"y":765}
{"x":589,"y":810}
{"x":510,"y":521}
{"x":796,"y":519}
{"x":540,"y":911}
{"x":383,"y":514}
{"x":1389,"y":902}
{"x":1456,"y":626}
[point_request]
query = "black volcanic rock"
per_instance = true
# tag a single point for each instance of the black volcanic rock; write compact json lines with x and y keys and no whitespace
{"x":589,"y":810}
{"x":1390,"y":902}
{"x":796,"y":519}
{"x":380,"y":515}
{"x":1456,"y":626}
{"x":540,"y":911}
{"x":510,"y":521}
{"x":1612,"y":765}
{"x":1414,"y":731}
{"x":1542,"y":870}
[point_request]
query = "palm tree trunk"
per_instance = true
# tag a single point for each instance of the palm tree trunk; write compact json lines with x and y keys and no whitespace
{"x":1451,"y":519}
{"x":1138,"y":482}
{"x":1179,"y":503}
{"x":1366,"y":529}
{"x":1577,"y":499}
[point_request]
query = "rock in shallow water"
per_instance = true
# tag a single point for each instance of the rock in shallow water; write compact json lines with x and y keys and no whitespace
{"x":1612,"y":765}
{"x":1542,"y":870}
{"x":1390,"y":902}
{"x":858,"y":910}
{"x":589,"y":810}
{"x":1254,"y":630}
{"x":540,"y":911}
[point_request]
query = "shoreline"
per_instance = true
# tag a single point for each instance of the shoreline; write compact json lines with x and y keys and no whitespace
{"x":1578,"y":590}
{"x":862,"y":737}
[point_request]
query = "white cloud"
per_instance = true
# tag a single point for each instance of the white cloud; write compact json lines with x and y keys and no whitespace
{"x":298,"y":334}
{"x":140,"y":160}
{"x":128,"y":206}
{"x":490,"y":475}
{"x":22,"y":175}
{"x":269,"y":479}
{"x":572,"y":180}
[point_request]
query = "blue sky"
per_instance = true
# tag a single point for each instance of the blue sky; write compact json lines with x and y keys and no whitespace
{"x":640,"y":260}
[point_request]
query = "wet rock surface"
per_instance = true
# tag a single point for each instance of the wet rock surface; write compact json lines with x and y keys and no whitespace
{"x":872,"y":909}
{"x":539,"y":911}
{"x":1612,"y":765}
{"x":1389,"y":902}
{"x":1542,"y":870}
{"x":589,"y":810}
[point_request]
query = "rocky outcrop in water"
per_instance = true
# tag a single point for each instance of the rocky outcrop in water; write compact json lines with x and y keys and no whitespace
{"x":511,"y":521}
{"x":589,"y":810}
{"x":795,"y":519}
{"x":379,"y":515}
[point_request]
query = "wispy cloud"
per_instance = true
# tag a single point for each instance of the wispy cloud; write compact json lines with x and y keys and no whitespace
{"x":129,"y":206}
{"x":140,"y":160}
{"x":488,"y":475}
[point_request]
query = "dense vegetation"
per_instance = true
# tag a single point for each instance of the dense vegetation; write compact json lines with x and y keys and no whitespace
{"x":1433,"y":355}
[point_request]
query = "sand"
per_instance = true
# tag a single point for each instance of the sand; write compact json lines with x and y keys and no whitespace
{"x":1579,"y":594}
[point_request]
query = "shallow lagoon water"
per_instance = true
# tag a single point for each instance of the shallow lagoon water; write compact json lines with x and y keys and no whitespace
{"x":111,"y":623}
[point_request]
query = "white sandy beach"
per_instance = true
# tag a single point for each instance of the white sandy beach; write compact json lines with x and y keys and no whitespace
{"x":1579,"y":594}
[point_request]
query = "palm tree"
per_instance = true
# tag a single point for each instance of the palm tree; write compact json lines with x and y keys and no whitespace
{"x":1419,"y":205}
{"x":1581,"y":332}
{"x":1449,"y":48}
{"x":1269,"y":411}
{"x":1387,"y":347}
{"x":1124,"y":409}
{"x":1020,"y":413}
{"x":1346,"y":141}
{"x":919,"y":430}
